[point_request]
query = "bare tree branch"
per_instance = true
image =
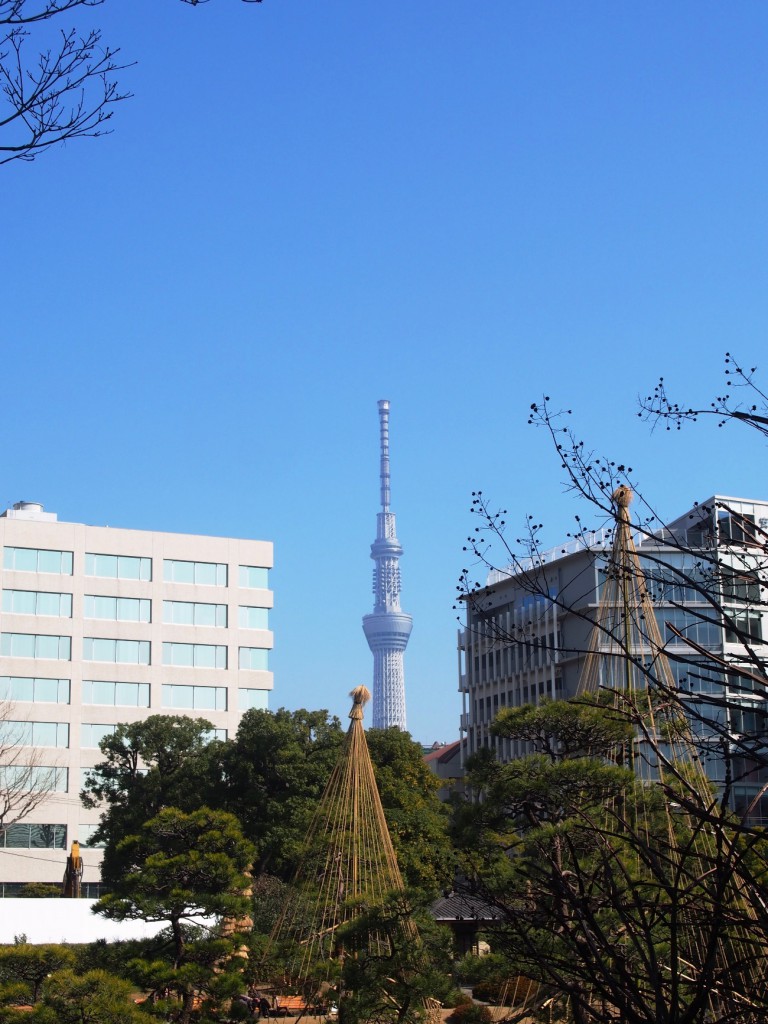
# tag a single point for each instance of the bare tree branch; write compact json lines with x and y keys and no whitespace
{"x":25,"y":782}
{"x":743,"y":401}
{"x":52,"y":93}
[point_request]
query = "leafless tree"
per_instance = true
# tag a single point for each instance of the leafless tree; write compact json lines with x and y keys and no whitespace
{"x":54,"y":86}
{"x":64,"y":89}
{"x":25,"y":782}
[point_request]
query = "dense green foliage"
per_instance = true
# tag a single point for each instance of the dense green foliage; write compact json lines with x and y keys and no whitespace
{"x":95,"y":997}
{"x":272,"y":776}
{"x":181,"y":866}
{"x":417,"y":820}
{"x":29,"y":965}
{"x":160,"y":762}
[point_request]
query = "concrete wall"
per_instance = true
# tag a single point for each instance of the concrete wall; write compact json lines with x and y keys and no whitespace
{"x":60,"y":920}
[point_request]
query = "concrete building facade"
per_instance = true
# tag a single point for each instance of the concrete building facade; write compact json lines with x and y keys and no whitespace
{"x":527,"y":632}
{"x":100,"y":626}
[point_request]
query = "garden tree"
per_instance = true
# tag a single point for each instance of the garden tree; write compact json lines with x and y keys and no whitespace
{"x":112,"y":956}
{"x":40,"y":891}
{"x":163,"y":761}
{"x":27,"y":965}
{"x":617,"y":909}
{"x":95,"y":997}
{"x":178,"y":868}
{"x":25,"y":782}
{"x":66,"y":88}
{"x":417,"y":819}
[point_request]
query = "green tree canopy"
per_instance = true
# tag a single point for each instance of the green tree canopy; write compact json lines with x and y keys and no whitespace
{"x":163,"y":761}
{"x":31,"y":964}
{"x":95,"y":997}
{"x":272,"y":776}
{"x":417,"y":819}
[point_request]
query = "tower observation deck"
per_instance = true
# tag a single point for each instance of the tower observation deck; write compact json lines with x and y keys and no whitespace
{"x":388,"y":628}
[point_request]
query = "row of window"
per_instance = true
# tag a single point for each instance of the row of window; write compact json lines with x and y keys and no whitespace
{"x":56,"y":734}
{"x":34,"y":837}
{"x":130,"y":652}
{"x":127,"y":695}
{"x":34,"y":777}
{"x":131,"y":567}
{"x":131,"y":609}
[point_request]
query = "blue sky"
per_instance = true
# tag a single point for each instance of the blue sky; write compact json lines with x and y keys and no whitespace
{"x":309,"y":205}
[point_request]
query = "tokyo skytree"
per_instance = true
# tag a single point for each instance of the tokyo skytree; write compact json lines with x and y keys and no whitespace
{"x":387,"y":629}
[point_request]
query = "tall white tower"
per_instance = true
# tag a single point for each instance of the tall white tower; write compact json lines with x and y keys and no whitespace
{"x":387,"y":629}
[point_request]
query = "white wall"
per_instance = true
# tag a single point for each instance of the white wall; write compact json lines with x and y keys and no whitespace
{"x":60,"y":920}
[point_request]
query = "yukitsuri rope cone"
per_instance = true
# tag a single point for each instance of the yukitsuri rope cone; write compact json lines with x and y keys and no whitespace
{"x":348,"y":866}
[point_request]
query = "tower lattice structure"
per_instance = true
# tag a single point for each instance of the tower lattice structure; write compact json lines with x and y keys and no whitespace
{"x":388,"y":627}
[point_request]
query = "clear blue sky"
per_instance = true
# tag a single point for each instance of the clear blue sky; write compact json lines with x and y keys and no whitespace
{"x":309,"y":205}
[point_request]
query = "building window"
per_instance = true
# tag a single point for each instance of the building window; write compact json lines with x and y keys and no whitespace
{"x":119,"y":652}
{"x":195,"y":698}
{"x":34,"y":777}
{"x":124,"y":695}
{"x":117,"y":609}
{"x":252,"y":618}
{"x":215,"y":734}
{"x":34,"y":734}
{"x":34,"y":837}
{"x":32,"y":690}
{"x":85,"y":835}
{"x":37,"y":602}
{"x":202,"y":574}
{"x":91,"y":733}
{"x":254,"y":658}
{"x":736,"y":528}
{"x":254,"y":577}
{"x":195,"y":655}
{"x":34,"y":645}
{"x":693,"y":627}
{"x":118,"y":567}
{"x":37,"y":560}
{"x":250,"y":699}
{"x":743,"y":627}
{"x":194,"y":613}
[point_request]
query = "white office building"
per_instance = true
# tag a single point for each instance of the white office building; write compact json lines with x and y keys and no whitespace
{"x":100,"y":626}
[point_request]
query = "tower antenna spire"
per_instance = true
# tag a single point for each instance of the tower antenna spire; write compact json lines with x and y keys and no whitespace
{"x":388,"y":628}
{"x":384,"y":459}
